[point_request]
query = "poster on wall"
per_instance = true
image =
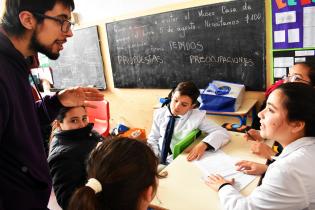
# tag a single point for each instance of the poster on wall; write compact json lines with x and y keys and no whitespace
{"x":293,"y":23}
{"x":283,"y":60}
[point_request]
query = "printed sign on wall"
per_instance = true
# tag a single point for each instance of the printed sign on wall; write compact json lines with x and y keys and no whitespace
{"x":293,"y":23}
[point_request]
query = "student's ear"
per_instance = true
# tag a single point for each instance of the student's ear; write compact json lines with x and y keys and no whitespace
{"x":297,"y":126}
{"x":57,"y":124}
{"x":27,"y":20}
{"x":149,"y":194}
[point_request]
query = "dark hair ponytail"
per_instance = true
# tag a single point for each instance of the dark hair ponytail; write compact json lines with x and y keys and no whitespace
{"x":85,"y":198}
{"x":125,"y":168}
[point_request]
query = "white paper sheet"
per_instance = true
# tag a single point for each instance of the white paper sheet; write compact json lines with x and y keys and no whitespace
{"x":220,"y":163}
{"x":294,"y":35}
{"x":308,"y":26}
{"x":299,"y":59}
{"x":308,"y":36}
{"x":285,"y":17}
{"x":283,"y":62}
{"x":305,"y":53}
{"x":308,"y":16}
{"x":279,"y":72}
{"x":279,"y":36}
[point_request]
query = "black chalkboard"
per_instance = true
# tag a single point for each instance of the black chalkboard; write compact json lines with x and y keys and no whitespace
{"x":80,"y":62}
{"x":223,"y":41}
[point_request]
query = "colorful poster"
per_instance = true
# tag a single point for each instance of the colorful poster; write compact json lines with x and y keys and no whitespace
{"x":293,"y":23}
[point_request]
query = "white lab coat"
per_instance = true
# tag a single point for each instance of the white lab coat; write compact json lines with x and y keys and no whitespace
{"x":289,"y":183}
{"x":193,"y":119}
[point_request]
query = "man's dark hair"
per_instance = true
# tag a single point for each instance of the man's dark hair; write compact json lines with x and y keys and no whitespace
{"x":10,"y":20}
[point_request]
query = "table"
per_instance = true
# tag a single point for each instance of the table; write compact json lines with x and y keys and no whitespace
{"x":247,"y":106}
{"x":184,"y":189}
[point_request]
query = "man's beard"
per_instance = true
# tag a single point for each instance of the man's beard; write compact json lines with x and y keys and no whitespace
{"x":36,"y":46}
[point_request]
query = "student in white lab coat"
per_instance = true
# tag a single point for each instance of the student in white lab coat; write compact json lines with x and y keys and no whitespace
{"x":301,"y":72}
{"x":288,"y":118}
{"x":182,"y":106}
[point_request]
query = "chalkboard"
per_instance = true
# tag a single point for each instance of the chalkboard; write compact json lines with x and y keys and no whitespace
{"x":80,"y":62}
{"x":223,"y":41}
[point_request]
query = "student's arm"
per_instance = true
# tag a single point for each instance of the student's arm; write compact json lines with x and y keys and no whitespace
{"x":281,"y":189}
{"x":154,"y":136}
{"x":67,"y":175}
{"x":217,"y":136}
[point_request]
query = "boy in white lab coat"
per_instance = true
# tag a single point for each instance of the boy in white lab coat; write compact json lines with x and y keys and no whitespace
{"x":181,"y":107}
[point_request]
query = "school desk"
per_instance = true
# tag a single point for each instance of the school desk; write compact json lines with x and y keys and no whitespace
{"x":184,"y":189}
{"x":247,"y":106}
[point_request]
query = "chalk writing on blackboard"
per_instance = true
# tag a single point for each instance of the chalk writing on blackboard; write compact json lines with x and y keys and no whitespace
{"x":224,"y":41}
{"x":80,"y":62}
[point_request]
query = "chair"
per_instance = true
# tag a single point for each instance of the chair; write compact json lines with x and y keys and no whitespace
{"x":99,"y":116}
{"x":183,"y":144}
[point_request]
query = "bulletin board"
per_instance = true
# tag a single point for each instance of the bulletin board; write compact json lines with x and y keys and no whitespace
{"x":284,"y":59}
{"x":293,"y":29}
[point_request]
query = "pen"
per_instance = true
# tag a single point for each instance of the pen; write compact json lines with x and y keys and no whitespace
{"x":250,"y":136}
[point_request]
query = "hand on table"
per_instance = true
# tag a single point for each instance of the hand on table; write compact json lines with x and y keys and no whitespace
{"x":215,"y":181}
{"x":251,"y":168}
{"x":197,"y":151}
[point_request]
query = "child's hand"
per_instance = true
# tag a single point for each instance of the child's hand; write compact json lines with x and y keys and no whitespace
{"x":252,"y":168}
{"x":215,"y":181}
{"x":262,"y":149}
{"x":253,"y":135}
{"x":197,"y":151}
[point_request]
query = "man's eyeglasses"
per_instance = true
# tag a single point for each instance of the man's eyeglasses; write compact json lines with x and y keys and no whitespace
{"x":294,"y":78}
{"x":66,"y":25}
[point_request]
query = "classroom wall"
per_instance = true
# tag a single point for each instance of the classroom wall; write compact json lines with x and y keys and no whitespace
{"x":134,"y":107}
{"x":90,"y":11}
{"x":1,"y":7}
